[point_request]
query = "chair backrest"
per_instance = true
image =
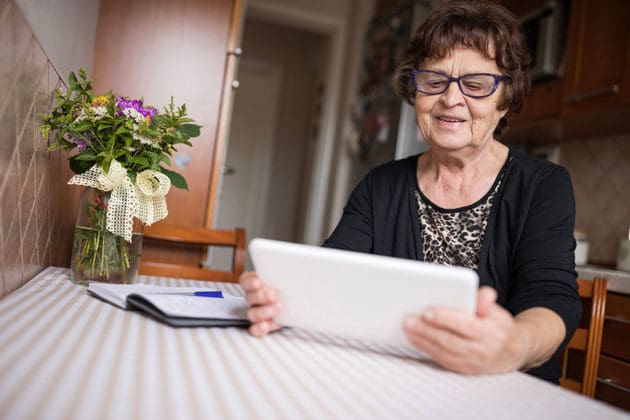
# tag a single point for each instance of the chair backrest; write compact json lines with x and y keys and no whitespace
{"x":587,"y":339}
{"x":195,"y":236}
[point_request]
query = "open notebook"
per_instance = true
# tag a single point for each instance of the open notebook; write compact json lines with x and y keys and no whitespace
{"x":176,"y":306}
{"x":357,"y":295}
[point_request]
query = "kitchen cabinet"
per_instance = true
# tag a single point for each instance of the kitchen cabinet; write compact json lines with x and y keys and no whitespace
{"x":597,"y":71}
{"x":543,"y":102}
{"x":187,"y":50}
{"x":591,"y":95}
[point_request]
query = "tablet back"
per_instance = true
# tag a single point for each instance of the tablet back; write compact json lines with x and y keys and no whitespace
{"x":357,"y":295}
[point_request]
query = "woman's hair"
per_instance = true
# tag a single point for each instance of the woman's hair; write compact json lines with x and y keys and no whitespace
{"x":477,"y":24}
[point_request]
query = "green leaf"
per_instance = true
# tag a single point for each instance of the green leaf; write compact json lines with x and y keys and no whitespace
{"x":79,"y":166}
{"x":140,"y":160}
{"x":177,"y":180}
{"x":190,"y":130}
{"x":110,"y":142}
{"x":87,"y":155}
{"x":106,"y":164}
{"x":81,"y":126}
{"x":72,"y":80}
{"x":122,"y":129}
{"x":165,"y":159}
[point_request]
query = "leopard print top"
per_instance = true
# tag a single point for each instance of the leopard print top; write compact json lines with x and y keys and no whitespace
{"x":454,"y":236}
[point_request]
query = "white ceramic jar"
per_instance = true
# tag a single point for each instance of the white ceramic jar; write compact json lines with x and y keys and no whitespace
{"x":581,"y":247}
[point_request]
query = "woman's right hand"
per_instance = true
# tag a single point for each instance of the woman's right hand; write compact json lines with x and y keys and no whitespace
{"x":263,"y":303}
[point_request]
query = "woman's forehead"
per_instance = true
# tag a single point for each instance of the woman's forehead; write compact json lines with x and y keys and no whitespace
{"x":462,"y":59}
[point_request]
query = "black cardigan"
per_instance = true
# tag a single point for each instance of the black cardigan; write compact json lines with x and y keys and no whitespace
{"x":528,"y":250}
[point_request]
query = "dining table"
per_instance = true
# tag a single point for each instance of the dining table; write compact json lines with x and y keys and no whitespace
{"x":65,"y":354}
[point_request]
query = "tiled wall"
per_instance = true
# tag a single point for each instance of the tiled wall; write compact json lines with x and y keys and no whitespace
{"x":600,"y":170}
{"x":36,"y":206}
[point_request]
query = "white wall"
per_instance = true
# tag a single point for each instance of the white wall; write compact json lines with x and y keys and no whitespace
{"x":66,"y":30}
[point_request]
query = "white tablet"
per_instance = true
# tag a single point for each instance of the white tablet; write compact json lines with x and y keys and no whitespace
{"x":357,"y":295}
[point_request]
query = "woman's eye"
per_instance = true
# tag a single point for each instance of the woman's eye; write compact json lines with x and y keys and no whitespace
{"x":435,"y":84}
{"x":472,"y":85}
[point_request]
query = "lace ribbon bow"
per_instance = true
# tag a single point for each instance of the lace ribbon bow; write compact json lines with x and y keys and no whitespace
{"x":144,"y":200}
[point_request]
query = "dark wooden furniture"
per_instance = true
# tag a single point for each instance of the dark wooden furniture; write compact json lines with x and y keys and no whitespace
{"x":587,"y":339}
{"x":176,"y":236}
{"x":613,"y":377}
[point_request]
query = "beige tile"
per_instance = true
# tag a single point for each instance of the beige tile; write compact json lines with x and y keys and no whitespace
{"x":600,"y":169}
{"x":32,"y":216}
{"x":12,"y":257}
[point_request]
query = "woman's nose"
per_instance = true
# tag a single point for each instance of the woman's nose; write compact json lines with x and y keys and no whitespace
{"x":452,"y":96}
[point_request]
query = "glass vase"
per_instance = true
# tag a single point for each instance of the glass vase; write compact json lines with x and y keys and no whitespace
{"x":97,"y":254}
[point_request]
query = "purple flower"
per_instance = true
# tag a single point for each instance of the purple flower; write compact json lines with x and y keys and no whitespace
{"x":124,"y":103}
{"x":80,"y":143}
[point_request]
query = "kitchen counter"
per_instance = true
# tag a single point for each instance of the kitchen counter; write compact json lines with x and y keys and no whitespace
{"x":618,"y":281}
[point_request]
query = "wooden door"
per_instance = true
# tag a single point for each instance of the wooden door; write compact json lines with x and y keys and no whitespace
{"x":160,"y":48}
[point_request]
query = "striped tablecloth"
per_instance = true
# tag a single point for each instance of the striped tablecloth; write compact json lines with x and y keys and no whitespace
{"x":67,"y":355}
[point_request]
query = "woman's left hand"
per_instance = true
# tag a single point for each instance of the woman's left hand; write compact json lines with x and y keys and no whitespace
{"x":471,"y":344}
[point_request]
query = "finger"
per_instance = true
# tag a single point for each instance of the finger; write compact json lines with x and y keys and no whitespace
{"x":448,"y":350}
{"x":262,"y":296}
{"x":263,"y":328}
{"x":456,"y":362}
{"x":436,"y":341}
{"x":264,"y":313}
{"x":250,"y":281}
{"x":486,"y":299}
{"x":456,"y":321}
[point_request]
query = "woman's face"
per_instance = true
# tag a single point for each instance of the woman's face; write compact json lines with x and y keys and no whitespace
{"x":451,"y":121}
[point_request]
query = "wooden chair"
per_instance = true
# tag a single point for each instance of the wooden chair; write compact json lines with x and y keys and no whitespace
{"x":200,"y":237}
{"x":589,"y":339}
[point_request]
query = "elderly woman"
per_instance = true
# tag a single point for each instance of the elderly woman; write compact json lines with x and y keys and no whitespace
{"x":469,"y":201}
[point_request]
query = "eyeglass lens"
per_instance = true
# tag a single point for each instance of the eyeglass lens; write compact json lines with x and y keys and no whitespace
{"x":475,"y":85}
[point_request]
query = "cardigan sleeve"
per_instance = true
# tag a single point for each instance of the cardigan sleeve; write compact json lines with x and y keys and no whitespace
{"x":355,"y":230}
{"x":543,"y":263}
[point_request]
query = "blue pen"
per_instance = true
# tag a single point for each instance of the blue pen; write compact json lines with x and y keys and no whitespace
{"x":210,"y":294}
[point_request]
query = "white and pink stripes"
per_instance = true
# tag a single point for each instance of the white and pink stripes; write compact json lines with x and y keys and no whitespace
{"x":67,"y":355}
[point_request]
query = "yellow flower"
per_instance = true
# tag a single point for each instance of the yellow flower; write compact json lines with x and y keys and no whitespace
{"x":100,"y":101}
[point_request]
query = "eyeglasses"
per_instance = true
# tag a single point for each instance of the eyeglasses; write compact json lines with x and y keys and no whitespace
{"x":474,"y":85}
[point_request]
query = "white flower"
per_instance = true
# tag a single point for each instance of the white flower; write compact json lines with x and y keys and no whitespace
{"x":82,"y":116}
{"x":99,"y":112}
{"x":144,"y":139}
{"x":133,"y":114}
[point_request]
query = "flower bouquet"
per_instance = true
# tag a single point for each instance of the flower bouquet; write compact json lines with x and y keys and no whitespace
{"x":122,"y":146}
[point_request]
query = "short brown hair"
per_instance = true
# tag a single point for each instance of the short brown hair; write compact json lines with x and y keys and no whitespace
{"x":474,"y":24}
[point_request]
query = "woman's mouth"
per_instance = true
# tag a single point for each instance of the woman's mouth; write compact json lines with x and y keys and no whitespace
{"x":450,"y":119}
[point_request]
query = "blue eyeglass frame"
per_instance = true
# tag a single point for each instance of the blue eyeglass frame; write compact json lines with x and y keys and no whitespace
{"x":498,"y":78}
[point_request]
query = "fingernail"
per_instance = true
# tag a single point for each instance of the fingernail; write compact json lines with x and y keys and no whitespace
{"x":428,"y":314}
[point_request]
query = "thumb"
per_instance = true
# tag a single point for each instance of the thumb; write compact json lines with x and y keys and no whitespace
{"x":486,"y":298}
